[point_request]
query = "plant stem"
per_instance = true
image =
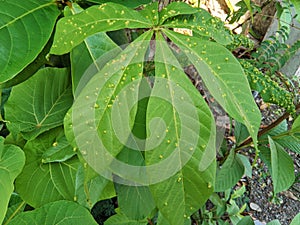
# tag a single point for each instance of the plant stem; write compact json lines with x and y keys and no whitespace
{"x":268,"y":128}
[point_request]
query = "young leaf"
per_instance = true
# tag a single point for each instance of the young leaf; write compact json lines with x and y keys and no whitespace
{"x":282,"y":167}
{"x":24,"y":31}
{"x":181,"y":163}
{"x":72,"y":30}
{"x":88,"y":52}
{"x":59,"y":212}
{"x":231,"y":171}
{"x":12,"y":160}
{"x":39,"y":183}
{"x":40,"y":103}
{"x":224,"y":77}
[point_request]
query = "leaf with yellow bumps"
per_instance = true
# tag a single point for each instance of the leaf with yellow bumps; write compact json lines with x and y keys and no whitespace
{"x":72,"y":30}
{"x":224,"y":78}
{"x":186,"y":149}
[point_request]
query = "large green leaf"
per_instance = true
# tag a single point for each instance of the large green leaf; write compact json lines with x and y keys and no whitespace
{"x":181,"y":161}
{"x":97,"y":129}
{"x":59,"y":212}
{"x":72,"y":30}
{"x":12,"y":160}
{"x":224,"y":77}
{"x":89,"y":51}
{"x":40,"y":103}
{"x":43,"y":183}
{"x":282,"y":170}
{"x":136,"y":202}
{"x":24,"y":31}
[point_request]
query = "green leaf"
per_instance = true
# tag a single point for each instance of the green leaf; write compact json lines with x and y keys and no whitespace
{"x":40,"y":183}
{"x":91,"y":187}
{"x":265,"y":155}
{"x":296,"y":220}
{"x":94,"y":112}
{"x":120,"y":219}
{"x":12,"y":160}
{"x":31,"y":68}
{"x":40,"y":103}
{"x":231,"y":171}
{"x":72,"y":30}
{"x":59,"y":212}
{"x":247,"y":165}
{"x":24,"y":30}
{"x":274,"y":222}
{"x":181,"y":164}
{"x":135,"y":202}
{"x":60,"y":151}
{"x":203,"y":25}
{"x":174,"y":9}
{"x":287,"y":139}
{"x":296,"y":125}
{"x":224,"y":78}
{"x":240,"y":132}
{"x":282,"y":167}
{"x":247,"y":220}
{"x":88,"y":51}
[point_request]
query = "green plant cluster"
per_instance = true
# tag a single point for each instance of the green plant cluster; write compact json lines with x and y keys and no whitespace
{"x":269,"y":89}
{"x":86,"y":84}
{"x":263,"y":70}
